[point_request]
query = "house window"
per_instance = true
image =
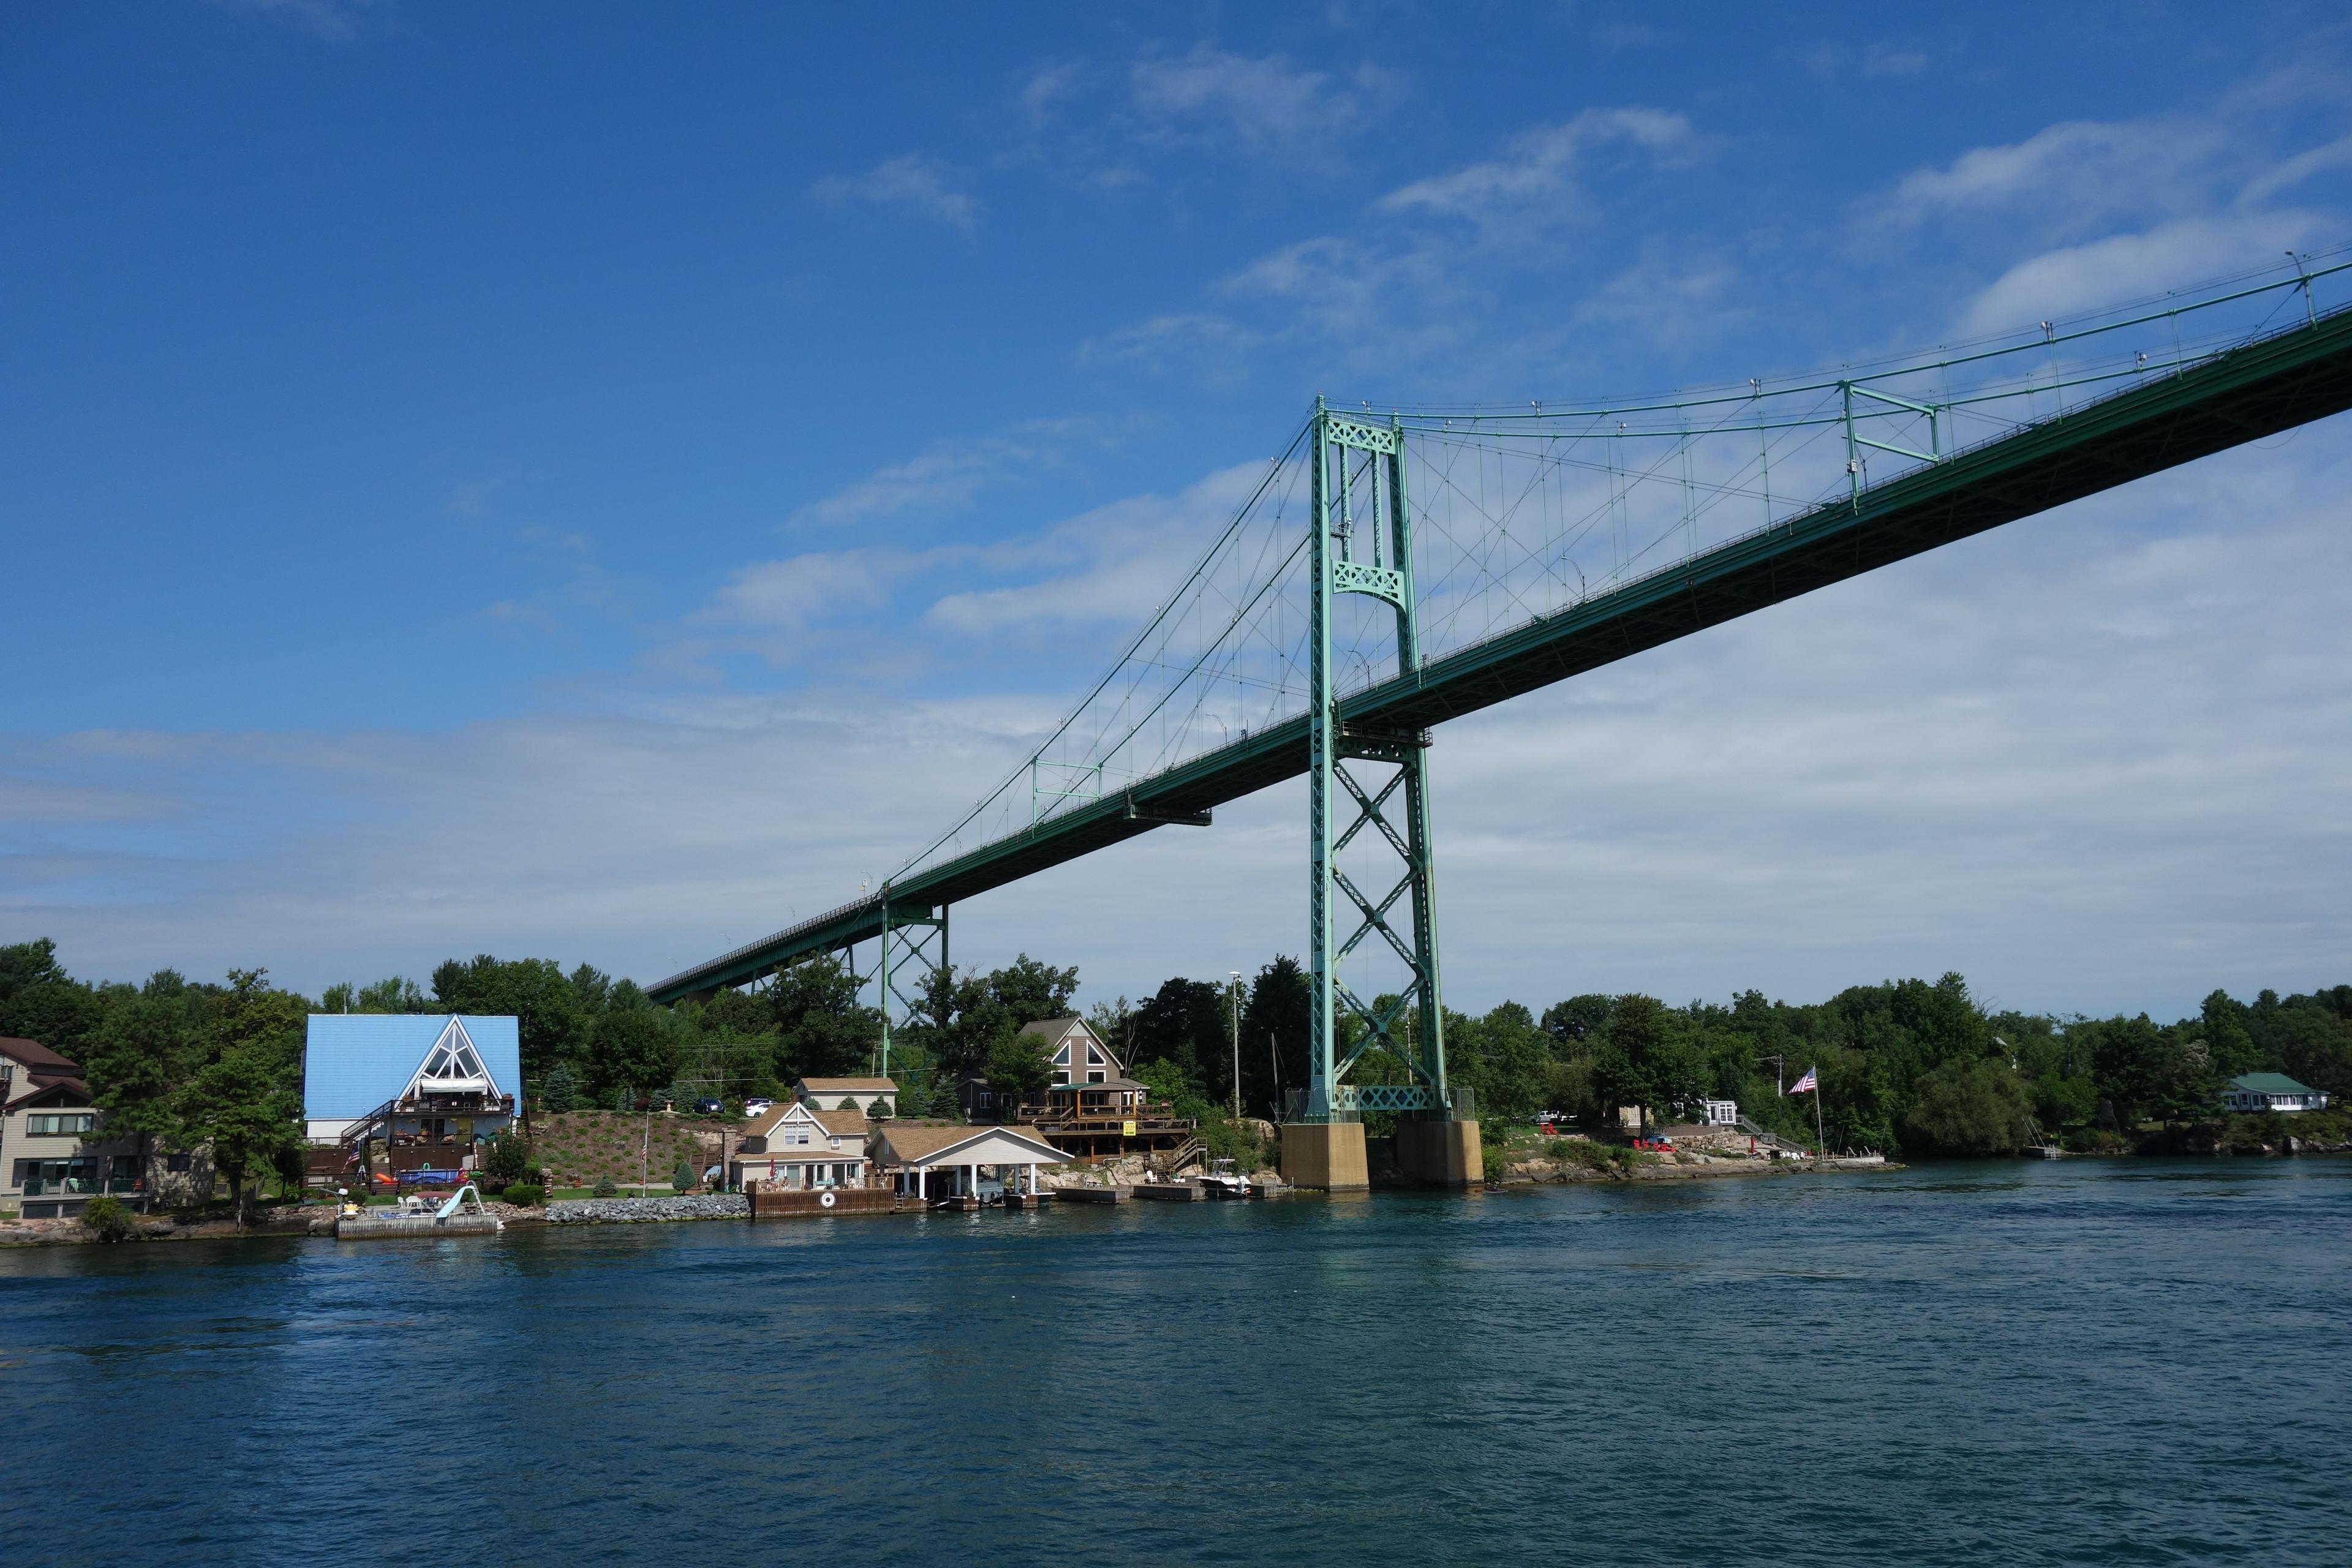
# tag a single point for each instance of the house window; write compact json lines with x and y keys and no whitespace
{"x":178,"y":1164}
{"x":41,"y":1176}
{"x":72,"y":1124}
{"x":1095,"y":1076}
{"x":1095,"y":1059}
{"x":1062,"y":1057}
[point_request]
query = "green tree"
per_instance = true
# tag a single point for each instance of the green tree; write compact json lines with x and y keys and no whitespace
{"x":142,"y":1059}
{"x":1018,"y":1066}
{"x":1274,"y":1023}
{"x":822,"y":1029}
{"x":38,"y":1001}
{"x":243,"y":1105}
{"x":1978,"y":1107}
{"x":635,"y":1050}
{"x":1576,"y":1021}
{"x":2142,"y":1070}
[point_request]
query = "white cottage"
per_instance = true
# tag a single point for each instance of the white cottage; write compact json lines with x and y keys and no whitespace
{"x":799,"y":1146}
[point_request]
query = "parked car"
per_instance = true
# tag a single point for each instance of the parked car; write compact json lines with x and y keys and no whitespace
{"x":760,"y":1106}
{"x":710,"y":1105}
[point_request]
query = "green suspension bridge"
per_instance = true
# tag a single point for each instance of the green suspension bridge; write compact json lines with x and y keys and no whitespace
{"x":1399,"y":567}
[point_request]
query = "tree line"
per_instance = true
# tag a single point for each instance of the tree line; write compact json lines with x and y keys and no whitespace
{"x":1913,"y":1065}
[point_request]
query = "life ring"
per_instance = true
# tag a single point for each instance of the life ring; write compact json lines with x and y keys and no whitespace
{"x":825,"y":1200}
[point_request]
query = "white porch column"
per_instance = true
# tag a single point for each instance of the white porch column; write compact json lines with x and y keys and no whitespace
{"x":923,"y":1183}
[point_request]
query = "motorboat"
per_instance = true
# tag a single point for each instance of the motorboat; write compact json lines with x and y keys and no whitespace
{"x":1223,"y":1181}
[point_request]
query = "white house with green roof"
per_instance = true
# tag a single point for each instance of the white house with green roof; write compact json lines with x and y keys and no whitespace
{"x":2270,"y":1091}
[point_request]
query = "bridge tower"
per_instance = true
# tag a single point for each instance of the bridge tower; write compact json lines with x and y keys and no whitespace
{"x":1323,"y":1143}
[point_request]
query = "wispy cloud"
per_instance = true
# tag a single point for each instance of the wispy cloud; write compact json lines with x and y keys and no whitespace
{"x":1109,"y":566}
{"x":1831,"y":60}
{"x":334,"y":21}
{"x":1204,"y":339}
{"x":1536,"y":176}
{"x":2081,"y":171}
{"x":2073,"y":278}
{"x":1263,"y":103}
{"x":944,"y":476}
{"x":914,"y":185}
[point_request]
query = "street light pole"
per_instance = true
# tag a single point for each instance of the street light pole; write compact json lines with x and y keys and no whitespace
{"x":1237,"y":1039}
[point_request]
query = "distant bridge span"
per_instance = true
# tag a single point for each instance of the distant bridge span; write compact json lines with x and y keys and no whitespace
{"x":2260,"y":387}
{"x":1441,"y":545}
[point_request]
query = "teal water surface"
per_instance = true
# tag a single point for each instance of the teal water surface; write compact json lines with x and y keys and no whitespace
{"x":2121,"y":1362}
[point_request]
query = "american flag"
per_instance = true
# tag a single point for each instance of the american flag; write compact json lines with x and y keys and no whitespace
{"x":1804,"y":1083}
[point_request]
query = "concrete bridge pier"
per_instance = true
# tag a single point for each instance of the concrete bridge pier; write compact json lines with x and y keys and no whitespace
{"x":1440,"y":1153}
{"x":1324,"y":1156}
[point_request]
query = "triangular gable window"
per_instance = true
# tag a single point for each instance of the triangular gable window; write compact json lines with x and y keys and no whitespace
{"x":452,"y":1065}
{"x":1062,"y":1057}
{"x":1095,"y":1058}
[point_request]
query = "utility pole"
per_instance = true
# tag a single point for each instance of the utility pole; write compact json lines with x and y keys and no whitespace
{"x":1237,"y":1039}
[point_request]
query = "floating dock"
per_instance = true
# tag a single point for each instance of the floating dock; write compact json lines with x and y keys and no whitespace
{"x":1167,"y":1192}
{"x":370,"y":1227}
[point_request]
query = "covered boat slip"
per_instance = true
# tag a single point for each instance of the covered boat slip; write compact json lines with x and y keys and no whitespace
{"x":937,"y":1163}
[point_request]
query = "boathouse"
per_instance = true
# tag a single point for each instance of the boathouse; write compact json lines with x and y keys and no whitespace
{"x":939,"y":1161}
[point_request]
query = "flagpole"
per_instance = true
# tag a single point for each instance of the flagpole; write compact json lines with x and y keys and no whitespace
{"x":1821,"y":1139}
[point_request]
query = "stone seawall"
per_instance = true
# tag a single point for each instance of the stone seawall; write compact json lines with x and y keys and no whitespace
{"x":641,"y":1211}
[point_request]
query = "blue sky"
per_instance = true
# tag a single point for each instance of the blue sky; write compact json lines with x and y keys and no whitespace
{"x":601,"y":480}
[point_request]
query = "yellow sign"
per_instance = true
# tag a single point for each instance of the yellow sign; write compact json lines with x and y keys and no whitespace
{"x":465,"y":1127}
{"x":1127,"y":1129}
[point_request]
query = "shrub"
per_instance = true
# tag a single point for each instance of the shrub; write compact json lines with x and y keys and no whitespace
{"x":523,"y":1194}
{"x":1496,"y":1159}
{"x":109,"y":1217}
{"x":508,"y":1159}
{"x":606,"y":1188}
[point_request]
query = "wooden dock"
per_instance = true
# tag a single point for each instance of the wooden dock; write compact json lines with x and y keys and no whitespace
{"x":1091,"y":1194}
{"x":1167,"y":1192}
{"x":806,"y":1203}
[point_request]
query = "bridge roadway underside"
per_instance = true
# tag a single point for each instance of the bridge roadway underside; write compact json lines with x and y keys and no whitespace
{"x":2269,"y":386}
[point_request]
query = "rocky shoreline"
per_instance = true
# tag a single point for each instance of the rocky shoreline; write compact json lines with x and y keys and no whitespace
{"x":645,"y":1211}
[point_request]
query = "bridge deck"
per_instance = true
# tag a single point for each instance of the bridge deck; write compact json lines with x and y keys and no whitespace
{"x":2270,"y":386}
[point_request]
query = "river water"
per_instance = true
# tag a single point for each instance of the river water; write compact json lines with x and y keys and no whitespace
{"x":2126,"y":1362}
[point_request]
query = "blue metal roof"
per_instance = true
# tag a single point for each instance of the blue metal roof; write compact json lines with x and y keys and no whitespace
{"x":353,"y":1062}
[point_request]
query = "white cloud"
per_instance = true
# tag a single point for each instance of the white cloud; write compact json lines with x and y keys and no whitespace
{"x":2294,"y":170}
{"x":944,"y":476}
{"x":1831,"y":60}
{"x":1202,"y":338}
{"x":1537,"y":172}
{"x":914,"y":185}
{"x":1261,"y":102}
{"x":788,"y":595}
{"x":2074,"y":173}
{"x":2062,"y":282}
{"x":1047,"y":87}
{"x":1112,"y":566}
